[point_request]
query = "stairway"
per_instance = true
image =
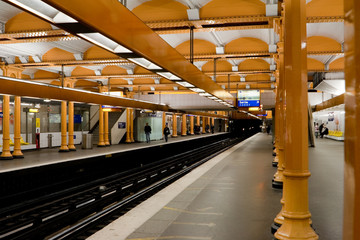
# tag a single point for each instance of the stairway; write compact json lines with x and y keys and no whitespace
{"x":113,"y":117}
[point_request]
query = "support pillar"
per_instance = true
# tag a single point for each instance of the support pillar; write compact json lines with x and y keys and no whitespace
{"x":101,"y":142}
{"x":192,"y":125}
{"x":64,"y":146}
{"x":128,"y":129}
{"x":295,"y":187}
{"x":198,"y":120}
{"x":106,"y":128}
{"x":352,"y":120}
{"x":163,"y":122}
{"x":71,"y":127}
{"x":132,"y":125}
{"x":183,"y":125}
{"x":174,"y":134}
{"x":17,"y":129}
{"x":203,"y":124}
{"x":6,"y":155}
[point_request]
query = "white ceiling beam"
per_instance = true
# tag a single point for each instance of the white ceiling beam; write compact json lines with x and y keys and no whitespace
{"x":10,"y":60}
{"x":78,"y":56}
{"x":36,"y":58}
{"x":23,"y":59}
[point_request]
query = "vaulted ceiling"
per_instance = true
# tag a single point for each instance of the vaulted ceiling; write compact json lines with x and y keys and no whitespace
{"x":234,"y":42}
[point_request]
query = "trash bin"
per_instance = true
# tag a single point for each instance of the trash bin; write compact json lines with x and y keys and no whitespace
{"x":50,"y":136}
{"x":87,"y":141}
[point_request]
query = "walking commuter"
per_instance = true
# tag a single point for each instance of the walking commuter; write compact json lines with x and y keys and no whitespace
{"x":166,"y":132}
{"x":316,"y":130}
{"x":321,"y":130}
{"x":147,"y":130}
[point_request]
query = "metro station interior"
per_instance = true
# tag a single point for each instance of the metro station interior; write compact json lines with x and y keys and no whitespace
{"x":260,"y":98}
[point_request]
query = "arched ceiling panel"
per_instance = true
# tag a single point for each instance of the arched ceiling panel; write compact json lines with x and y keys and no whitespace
{"x":257,"y":77}
{"x":220,"y":8}
{"x":322,"y":44}
{"x":326,"y":30}
{"x":200,"y":47}
{"x":85,"y":83}
{"x":317,"y":8}
{"x":45,"y":74}
{"x":26,"y":22}
{"x":228,"y":36}
{"x":314,"y":64}
{"x":118,"y":81}
{"x":224,"y":79}
{"x":246,"y":44}
{"x":57,"y":54}
{"x":221,"y":66}
{"x":7,"y":11}
{"x":95,"y":52}
{"x":144,"y":81}
{"x":81,"y":71}
{"x":113,"y":70}
{"x":337,"y":64}
{"x":254,"y":64}
{"x":141,"y":70}
{"x":160,"y":10}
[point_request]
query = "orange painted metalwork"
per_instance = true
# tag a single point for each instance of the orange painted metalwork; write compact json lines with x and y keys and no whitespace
{"x":203,"y":124}
{"x":198,"y":120}
{"x":352,"y":119}
{"x":64,"y":146}
{"x":296,"y":213}
{"x":192,"y":125}
{"x":330,"y":103}
{"x":17,"y":129}
{"x":101,"y":142}
{"x":6,"y":155}
{"x":132,"y":125}
{"x":183,"y":125}
{"x":128,"y":137}
{"x":71,"y":145}
{"x":106,"y":128}
{"x":174,"y":134}
{"x":138,"y":37}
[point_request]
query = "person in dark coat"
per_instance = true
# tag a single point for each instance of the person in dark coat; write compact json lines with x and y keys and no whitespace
{"x":166,"y":132}
{"x":147,"y":130}
{"x":321,"y":130}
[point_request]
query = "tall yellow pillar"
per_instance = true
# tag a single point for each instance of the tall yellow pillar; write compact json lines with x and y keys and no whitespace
{"x":183,"y":125}
{"x":132,"y":125}
{"x":6,"y":155}
{"x":71,"y":145}
{"x":192,"y":125}
{"x":198,"y":120}
{"x":174,"y":134}
{"x":352,"y":128}
{"x":17,"y":129}
{"x":106,"y":128}
{"x":101,"y":142}
{"x":64,"y":146}
{"x":295,"y":185}
{"x":203,"y":124}
{"x":128,"y":128}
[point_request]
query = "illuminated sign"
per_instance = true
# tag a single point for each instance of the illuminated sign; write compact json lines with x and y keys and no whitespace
{"x":249,"y":98}
{"x":33,"y":110}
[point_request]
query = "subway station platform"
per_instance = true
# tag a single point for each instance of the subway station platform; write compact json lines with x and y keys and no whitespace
{"x":42,"y":157}
{"x":230,"y":197}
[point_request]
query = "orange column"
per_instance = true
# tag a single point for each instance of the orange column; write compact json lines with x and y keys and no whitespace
{"x":63,"y":147}
{"x":198,"y":120}
{"x":101,"y":142}
{"x":203,"y":124}
{"x":132,"y":125}
{"x":71,"y":127}
{"x":106,"y":128}
{"x":352,"y":121}
{"x":128,"y":129}
{"x":174,"y":126}
{"x":163,"y":122}
{"x":295,"y":185}
{"x":183,"y":125}
{"x":17,"y":130}
{"x":192,"y":125}
{"x":6,"y":155}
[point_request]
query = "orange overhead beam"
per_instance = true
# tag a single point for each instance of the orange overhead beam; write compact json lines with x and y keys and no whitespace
{"x":112,"y":19}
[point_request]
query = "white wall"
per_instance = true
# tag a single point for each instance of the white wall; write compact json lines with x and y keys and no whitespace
{"x":338,"y":122}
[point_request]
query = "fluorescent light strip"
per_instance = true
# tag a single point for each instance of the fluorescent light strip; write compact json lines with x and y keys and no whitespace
{"x":168,"y":75}
{"x":198,"y":90}
{"x":212,"y":98}
{"x":145,"y":63}
{"x":104,"y":42}
{"x":205,"y":94}
{"x":185,"y":84}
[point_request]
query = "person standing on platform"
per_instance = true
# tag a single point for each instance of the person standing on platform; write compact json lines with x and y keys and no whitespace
{"x":166,"y":132}
{"x":321,"y":130}
{"x":147,"y":130}
{"x":316,"y":130}
{"x":212,"y":128}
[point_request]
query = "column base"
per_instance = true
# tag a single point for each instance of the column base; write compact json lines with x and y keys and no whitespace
{"x":6,"y":158}
{"x":277,"y":185}
{"x":174,"y":136}
{"x":183,"y":135}
{"x":274,"y":164}
{"x":64,"y":150}
{"x":101,"y":145}
{"x":18,"y":156}
{"x":107,"y":144}
{"x":72,"y":149}
{"x":274,"y":227}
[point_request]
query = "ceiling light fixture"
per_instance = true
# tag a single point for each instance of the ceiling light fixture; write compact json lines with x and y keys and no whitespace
{"x":145,"y":63}
{"x":168,"y":75}
{"x":185,"y":84}
{"x":104,"y":42}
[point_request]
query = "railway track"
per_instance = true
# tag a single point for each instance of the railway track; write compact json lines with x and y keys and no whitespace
{"x":79,"y":211}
